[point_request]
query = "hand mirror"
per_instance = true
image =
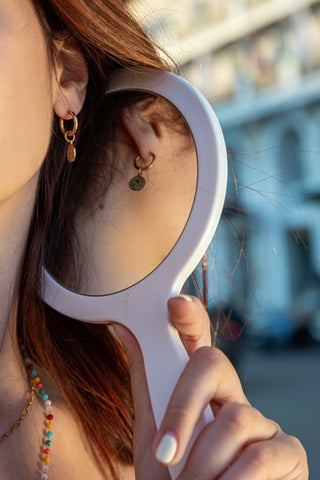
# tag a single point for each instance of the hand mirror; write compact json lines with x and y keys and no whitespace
{"x":136,"y":247}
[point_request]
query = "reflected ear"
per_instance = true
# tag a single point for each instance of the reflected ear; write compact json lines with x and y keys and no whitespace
{"x":144,"y":127}
{"x":71,"y":79}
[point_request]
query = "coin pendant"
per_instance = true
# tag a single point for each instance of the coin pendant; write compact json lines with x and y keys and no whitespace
{"x":71,"y":153}
{"x":137,"y":183}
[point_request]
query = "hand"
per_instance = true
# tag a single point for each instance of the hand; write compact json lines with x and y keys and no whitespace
{"x":240,"y":444}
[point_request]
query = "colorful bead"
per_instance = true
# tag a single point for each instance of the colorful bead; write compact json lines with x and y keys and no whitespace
{"x":47,"y":442}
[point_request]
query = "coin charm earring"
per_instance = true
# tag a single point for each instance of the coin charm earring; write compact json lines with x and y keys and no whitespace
{"x":138,"y":182}
{"x":70,"y":136}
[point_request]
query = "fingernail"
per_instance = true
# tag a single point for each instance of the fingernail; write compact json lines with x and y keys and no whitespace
{"x":167,"y":448}
{"x":114,"y":332}
{"x":187,"y":298}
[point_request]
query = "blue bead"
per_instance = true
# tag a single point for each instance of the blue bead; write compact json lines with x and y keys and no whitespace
{"x":45,"y":397}
{"x":33,"y":373}
{"x":49,"y":434}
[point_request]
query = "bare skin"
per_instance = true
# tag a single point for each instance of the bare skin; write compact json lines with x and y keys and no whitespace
{"x":28,"y":102}
{"x":240,"y":444}
{"x":31,"y":91}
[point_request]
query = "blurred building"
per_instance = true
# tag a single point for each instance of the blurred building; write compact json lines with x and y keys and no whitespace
{"x":258,"y":62}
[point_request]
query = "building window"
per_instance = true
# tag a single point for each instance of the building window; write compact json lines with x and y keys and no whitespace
{"x":304,"y":282}
{"x":290,"y":157}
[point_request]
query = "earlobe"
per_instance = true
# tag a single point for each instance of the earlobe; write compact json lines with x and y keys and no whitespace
{"x":71,"y":81}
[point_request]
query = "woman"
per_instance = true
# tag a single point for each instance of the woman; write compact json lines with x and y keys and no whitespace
{"x":56,"y":58}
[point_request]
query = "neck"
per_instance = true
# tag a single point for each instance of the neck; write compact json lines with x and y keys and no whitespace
{"x":15,"y":217}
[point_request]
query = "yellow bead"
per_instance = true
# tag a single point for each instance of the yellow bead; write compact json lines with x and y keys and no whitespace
{"x":36,"y":380}
{"x":49,"y":426}
{"x":46,"y":460}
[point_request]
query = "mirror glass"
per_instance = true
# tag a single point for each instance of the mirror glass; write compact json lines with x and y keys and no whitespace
{"x":138,"y":200}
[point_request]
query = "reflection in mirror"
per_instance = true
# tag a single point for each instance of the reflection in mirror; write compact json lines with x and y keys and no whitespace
{"x":130,"y":217}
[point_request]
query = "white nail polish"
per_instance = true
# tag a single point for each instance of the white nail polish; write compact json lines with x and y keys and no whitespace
{"x":187,"y":298}
{"x":167,"y":448}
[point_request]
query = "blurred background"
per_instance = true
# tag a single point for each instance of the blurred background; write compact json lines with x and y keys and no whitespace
{"x":258,"y":63}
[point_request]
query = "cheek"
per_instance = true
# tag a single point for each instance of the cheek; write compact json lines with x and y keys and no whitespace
{"x":25,"y":111}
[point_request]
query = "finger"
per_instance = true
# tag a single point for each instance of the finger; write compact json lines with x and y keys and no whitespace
{"x":222,"y":441}
{"x":191,"y":320}
{"x":218,"y":381}
{"x":283,"y":458}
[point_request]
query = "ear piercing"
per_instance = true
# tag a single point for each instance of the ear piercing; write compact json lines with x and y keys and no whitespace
{"x":138,"y":182}
{"x":70,"y":136}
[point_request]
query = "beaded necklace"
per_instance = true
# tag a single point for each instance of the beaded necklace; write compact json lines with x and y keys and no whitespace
{"x":48,"y":415}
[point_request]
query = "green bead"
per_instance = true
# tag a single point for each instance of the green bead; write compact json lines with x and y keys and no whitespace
{"x":48,"y":443}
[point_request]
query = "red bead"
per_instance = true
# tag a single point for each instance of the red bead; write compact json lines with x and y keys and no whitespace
{"x":47,"y":451}
{"x":50,"y":417}
{"x":39,"y":385}
{"x":30,"y":367}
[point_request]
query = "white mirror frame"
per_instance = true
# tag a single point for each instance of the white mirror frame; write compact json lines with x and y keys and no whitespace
{"x":142,"y":307}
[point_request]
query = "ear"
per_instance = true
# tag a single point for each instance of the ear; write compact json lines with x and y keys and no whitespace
{"x":71,"y":79}
{"x":144,"y":127}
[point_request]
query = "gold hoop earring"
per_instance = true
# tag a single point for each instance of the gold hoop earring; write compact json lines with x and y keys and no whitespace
{"x":70,"y":136}
{"x":138,"y":182}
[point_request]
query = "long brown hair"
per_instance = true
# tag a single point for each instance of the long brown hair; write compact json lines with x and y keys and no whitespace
{"x":84,"y":360}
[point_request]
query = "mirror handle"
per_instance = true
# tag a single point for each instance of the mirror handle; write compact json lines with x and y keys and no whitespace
{"x":165,"y":359}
